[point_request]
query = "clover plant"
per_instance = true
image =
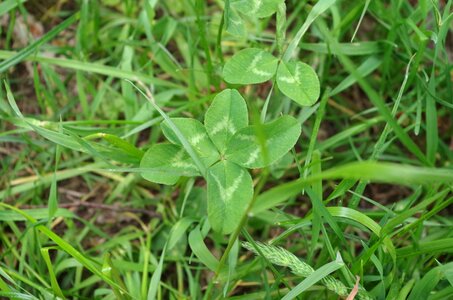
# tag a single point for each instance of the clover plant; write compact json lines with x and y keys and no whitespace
{"x":227,"y":146}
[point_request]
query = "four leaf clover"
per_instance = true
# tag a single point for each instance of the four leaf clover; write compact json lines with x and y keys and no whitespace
{"x":227,"y":146}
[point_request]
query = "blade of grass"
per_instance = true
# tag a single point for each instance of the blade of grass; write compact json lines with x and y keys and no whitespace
{"x":427,"y":247}
{"x":90,"y":67}
{"x":366,"y":68}
{"x":319,"y":8}
{"x":37,"y":213}
{"x":315,"y":130}
{"x":27,"y":51}
{"x":422,"y":288}
{"x":8,"y":5}
{"x":373,"y":171}
{"x":53,"y":279}
{"x":200,"y":249}
{"x":155,"y":278}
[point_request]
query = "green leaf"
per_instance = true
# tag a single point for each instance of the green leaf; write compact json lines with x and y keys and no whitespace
{"x":234,"y":23}
{"x":277,"y":137}
{"x":196,"y":135}
{"x":155,"y":278}
{"x":299,"y":82}
{"x":178,"y":230}
{"x":282,"y":165}
{"x":165,"y":163}
{"x":230,"y":189}
{"x":249,"y":66}
{"x":199,"y":248}
{"x":257,"y":8}
{"x":53,"y":279}
{"x":226,"y":115}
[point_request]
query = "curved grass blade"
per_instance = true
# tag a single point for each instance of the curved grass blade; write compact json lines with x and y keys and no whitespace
{"x":201,"y":251}
{"x":155,"y":278}
{"x":423,"y":287}
{"x":374,"y":171}
{"x":427,"y":247}
{"x":178,"y":230}
{"x":319,"y":8}
{"x":53,"y":279}
{"x":22,"y":54}
{"x":117,"y":142}
{"x":93,"y":67}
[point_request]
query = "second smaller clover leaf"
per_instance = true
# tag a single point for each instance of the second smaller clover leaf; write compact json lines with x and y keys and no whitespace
{"x":234,"y":23}
{"x":250,"y":66}
{"x":226,"y":115}
{"x":230,"y":189}
{"x":165,"y":163}
{"x":195,"y":133}
{"x":257,"y":8}
{"x":258,"y":146}
{"x":299,"y":82}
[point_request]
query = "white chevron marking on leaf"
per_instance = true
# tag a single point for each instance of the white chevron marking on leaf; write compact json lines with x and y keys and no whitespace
{"x":245,"y":137}
{"x":227,"y":193}
{"x":178,"y":162}
{"x":255,"y":61}
{"x":254,"y":66}
{"x":256,"y":6}
{"x":253,"y":157}
{"x":224,"y":124}
{"x":292,"y":79}
{"x":236,"y":22}
{"x":261,"y":73}
{"x":197,"y":138}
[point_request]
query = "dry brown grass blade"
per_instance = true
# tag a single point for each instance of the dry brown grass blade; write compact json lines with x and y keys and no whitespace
{"x":355,"y":289}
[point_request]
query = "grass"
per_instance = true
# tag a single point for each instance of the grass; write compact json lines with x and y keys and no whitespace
{"x":366,"y":190}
